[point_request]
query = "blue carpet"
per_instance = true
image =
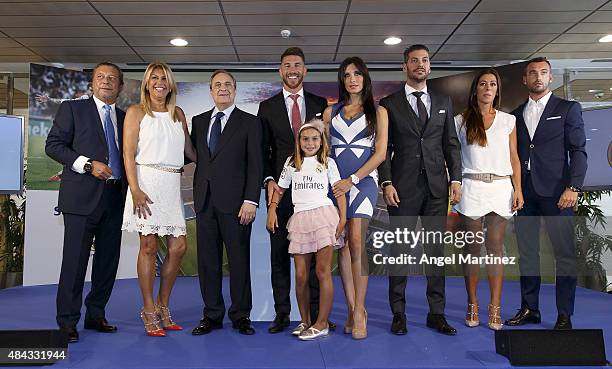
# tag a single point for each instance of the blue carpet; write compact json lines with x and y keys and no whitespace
{"x":34,"y":308}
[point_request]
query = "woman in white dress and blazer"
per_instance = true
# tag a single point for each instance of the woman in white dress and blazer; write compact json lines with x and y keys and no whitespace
{"x":491,"y":185}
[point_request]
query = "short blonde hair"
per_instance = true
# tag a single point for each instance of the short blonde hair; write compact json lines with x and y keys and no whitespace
{"x":145,"y":99}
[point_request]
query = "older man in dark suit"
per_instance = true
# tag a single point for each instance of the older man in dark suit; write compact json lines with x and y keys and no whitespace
{"x":86,"y":139}
{"x":226,"y":189}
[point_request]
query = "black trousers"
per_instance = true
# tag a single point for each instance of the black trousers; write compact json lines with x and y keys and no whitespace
{"x":79,"y":231}
{"x":415,"y":202}
{"x":214,"y":230}
{"x":560,"y":228}
{"x":280,"y":263}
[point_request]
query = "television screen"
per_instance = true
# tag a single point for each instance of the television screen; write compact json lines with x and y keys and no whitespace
{"x":11,"y":153}
{"x":598,"y":129}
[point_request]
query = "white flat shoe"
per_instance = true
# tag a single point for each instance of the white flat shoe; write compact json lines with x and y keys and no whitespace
{"x":312,"y":333}
{"x":299,"y":329}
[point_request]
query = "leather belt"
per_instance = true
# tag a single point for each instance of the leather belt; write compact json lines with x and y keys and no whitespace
{"x":484,"y":177}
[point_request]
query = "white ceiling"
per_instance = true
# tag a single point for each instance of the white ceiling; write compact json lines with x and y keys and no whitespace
{"x":222,"y":31}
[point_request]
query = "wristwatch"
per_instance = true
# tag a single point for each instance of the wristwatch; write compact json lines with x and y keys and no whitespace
{"x":88,"y":167}
{"x":354,"y":179}
{"x":575,"y":189}
{"x":385,"y":184}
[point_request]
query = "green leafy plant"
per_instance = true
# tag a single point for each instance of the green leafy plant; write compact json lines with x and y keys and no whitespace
{"x":590,"y":245}
{"x":12,"y":226}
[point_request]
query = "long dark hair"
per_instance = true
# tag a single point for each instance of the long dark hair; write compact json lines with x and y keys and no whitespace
{"x":472,"y":118}
{"x":367,"y":98}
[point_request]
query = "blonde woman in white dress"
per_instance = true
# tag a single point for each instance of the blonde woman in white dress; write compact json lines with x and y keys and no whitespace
{"x":155,"y":142}
{"x":491,"y":185}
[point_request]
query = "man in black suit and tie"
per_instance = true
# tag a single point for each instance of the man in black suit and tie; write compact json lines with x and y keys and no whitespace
{"x":281,"y":116}
{"x":551,"y":145}
{"x":226,"y":189}
{"x":423,"y":144}
{"x":86,"y":140}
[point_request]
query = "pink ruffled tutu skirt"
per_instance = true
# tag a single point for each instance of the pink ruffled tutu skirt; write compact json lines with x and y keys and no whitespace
{"x":312,"y":230}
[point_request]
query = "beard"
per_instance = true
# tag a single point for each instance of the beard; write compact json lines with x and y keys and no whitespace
{"x":538,"y":89}
{"x":293,"y":83}
{"x":417,"y":77}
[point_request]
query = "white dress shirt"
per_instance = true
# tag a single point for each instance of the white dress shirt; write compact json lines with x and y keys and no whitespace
{"x":412,"y":100}
{"x":79,"y":163}
{"x":532,"y":114}
{"x":289,"y":104}
{"x":227,"y":112}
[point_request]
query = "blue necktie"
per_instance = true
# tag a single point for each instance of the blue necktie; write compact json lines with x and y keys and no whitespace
{"x":215,"y":133}
{"x":114,"y":160}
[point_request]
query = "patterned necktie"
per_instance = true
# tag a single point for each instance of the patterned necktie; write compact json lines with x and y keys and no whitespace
{"x":296,"y":117}
{"x":422,"y":110}
{"x":215,"y":133}
{"x":114,"y":160}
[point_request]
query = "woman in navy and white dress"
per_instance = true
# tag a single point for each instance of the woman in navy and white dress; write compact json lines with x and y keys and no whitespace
{"x":491,"y":186}
{"x":358,"y":145}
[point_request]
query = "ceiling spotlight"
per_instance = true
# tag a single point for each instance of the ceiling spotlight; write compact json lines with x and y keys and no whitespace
{"x":595,"y":91}
{"x":607,"y":38}
{"x":392,"y":40}
{"x":285,"y":33}
{"x":179,"y":42}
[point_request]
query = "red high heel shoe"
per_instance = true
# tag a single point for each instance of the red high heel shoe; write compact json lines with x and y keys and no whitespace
{"x":151,"y":324}
{"x":164,"y":314}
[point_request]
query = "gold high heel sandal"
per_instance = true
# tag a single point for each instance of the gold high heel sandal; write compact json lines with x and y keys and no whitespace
{"x":495,"y":322}
{"x":359,"y":334}
{"x":471,"y":316}
{"x":348,"y":328}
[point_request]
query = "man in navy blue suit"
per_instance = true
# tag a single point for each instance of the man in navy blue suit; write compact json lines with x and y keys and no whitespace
{"x":551,"y":146}
{"x":86,"y":140}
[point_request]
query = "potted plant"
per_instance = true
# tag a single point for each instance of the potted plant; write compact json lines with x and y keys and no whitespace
{"x":591,"y":245}
{"x":12,"y":226}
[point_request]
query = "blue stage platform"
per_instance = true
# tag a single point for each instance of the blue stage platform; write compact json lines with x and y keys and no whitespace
{"x":34,"y":308}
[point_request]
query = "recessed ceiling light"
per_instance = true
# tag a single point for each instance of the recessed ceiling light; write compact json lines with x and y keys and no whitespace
{"x":607,"y":38}
{"x":595,"y":91}
{"x":179,"y":42}
{"x":392,"y":40}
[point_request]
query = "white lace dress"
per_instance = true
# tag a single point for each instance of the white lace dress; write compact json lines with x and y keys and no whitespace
{"x":161,"y":142}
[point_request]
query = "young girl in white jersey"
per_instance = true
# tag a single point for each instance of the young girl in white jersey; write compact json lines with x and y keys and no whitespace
{"x":316,"y":224}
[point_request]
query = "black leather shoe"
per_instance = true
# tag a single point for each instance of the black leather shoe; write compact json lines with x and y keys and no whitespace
{"x":439,"y":323}
{"x":244,"y":326}
{"x":72,"y":333}
{"x":398,"y":326}
{"x":331,"y":325}
{"x":206,"y":326}
{"x":563,"y":322}
{"x":100,"y":325}
{"x":525,"y":316}
{"x":280,"y":322}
